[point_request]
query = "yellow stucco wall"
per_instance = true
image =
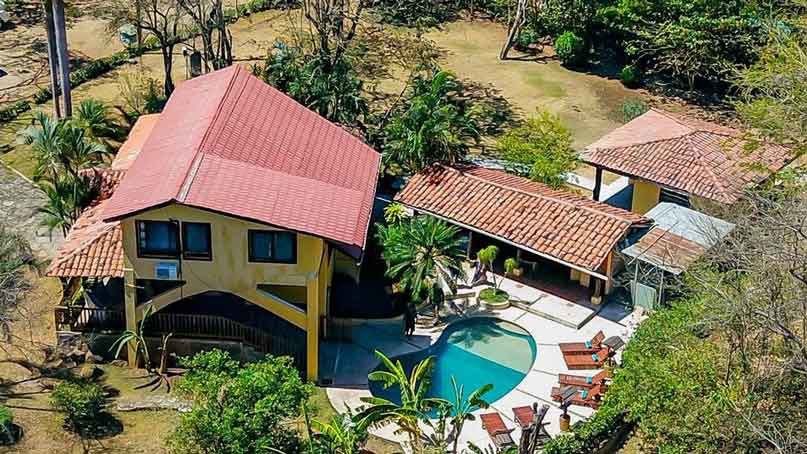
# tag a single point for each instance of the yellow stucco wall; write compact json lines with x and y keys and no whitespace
{"x":645,"y":196}
{"x":230,"y":270}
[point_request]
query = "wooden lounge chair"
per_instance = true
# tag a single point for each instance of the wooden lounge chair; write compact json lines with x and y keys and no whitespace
{"x":576,"y":361}
{"x":583,"y":348}
{"x":530,"y":419}
{"x":497,"y":431}
{"x":585,"y":397}
{"x":584,"y":382}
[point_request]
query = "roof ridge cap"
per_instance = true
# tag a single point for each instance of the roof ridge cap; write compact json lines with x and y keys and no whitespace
{"x":542,"y":196}
{"x":188,"y":172}
{"x":702,"y":165}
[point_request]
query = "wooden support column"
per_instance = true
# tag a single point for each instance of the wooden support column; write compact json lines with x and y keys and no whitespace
{"x":597,"y":184}
{"x":130,"y":303}
{"x":312,"y":326}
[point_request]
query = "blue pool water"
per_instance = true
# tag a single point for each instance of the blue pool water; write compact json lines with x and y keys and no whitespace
{"x":475,"y":351}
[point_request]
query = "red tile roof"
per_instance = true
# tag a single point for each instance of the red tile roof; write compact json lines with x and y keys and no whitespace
{"x":134,"y":143}
{"x":689,"y":155}
{"x":554,"y":223}
{"x":93,"y":247}
{"x":229,"y":143}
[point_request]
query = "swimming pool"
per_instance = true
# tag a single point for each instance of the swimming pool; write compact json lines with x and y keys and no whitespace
{"x":476,"y":351}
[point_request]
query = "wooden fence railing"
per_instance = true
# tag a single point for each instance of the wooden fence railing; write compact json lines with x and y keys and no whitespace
{"x":201,"y":326}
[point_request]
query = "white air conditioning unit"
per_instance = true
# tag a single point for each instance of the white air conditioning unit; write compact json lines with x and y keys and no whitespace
{"x":166,"y":271}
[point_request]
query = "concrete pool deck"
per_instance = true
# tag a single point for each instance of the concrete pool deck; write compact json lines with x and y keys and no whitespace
{"x":347,"y":365}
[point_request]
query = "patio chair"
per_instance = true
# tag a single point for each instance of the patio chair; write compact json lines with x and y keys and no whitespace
{"x":577,"y":361}
{"x":584,"y":382}
{"x":533,"y":427}
{"x":591,"y":398}
{"x":583,"y":348}
{"x":498,"y":432}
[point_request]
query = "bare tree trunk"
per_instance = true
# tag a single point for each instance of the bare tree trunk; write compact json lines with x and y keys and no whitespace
{"x":53,"y":62}
{"x":168,"y":63}
{"x":62,"y":51}
{"x":139,"y":23}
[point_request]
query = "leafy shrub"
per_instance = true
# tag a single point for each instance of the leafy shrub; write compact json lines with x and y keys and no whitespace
{"x":630,"y":76}
{"x":6,"y":417}
{"x":13,"y":111}
{"x":239,"y":409}
{"x":571,"y":49}
{"x":527,"y":36}
{"x":81,"y":402}
{"x":588,"y":435}
{"x":540,"y":149}
{"x":558,"y":16}
{"x":632,"y":108}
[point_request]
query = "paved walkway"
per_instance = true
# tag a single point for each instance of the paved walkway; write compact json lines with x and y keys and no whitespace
{"x":353,"y":361}
{"x":19,"y":204}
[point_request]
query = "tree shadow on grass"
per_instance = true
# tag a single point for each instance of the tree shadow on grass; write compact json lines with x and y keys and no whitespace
{"x":104,"y":425}
{"x":493,"y":112}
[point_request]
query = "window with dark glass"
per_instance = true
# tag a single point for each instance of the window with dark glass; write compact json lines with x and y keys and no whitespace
{"x":157,"y":239}
{"x":196,"y":242}
{"x":272,"y":246}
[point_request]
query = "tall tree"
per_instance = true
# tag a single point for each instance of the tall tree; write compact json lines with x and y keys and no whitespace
{"x":62,"y":52}
{"x":431,"y":127}
{"x":217,"y":41}
{"x":334,"y":24}
{"x":163,"y":19}
{"x":53,"y":59}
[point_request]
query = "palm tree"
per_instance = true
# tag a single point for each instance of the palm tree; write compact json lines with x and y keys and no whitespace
{"x":432,"y":129}
{"x":462,"y":408}
{"x":421,"y":253}
{"x":414,"y":406}
{"x":93,"y":117}
{"x":67,"y":196}
{"x":61,"y":147}
{"x":342,"y":435}
{"x":53,"y":59}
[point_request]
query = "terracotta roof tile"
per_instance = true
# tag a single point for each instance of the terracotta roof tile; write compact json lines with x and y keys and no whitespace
{"x":93,"y":248}
{"x":228,"y":142}
{"x":688,"y":155}
{"x":556,"y":223}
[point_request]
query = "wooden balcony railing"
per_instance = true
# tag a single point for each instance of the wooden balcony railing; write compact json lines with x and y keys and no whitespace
{"x":200,"y":326}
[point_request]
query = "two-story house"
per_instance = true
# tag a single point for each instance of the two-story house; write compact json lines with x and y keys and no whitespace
{"x":234,"y":189}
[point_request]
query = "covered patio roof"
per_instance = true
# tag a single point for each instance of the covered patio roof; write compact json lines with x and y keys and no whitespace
{"x":679,"y":237}
{"x":555,"y":224}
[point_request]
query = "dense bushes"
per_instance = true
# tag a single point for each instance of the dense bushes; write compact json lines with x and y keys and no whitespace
{"x":81,"y":402}
{"x":239,"y":409}
{"x":689,"y":42}
{"x":589,"y":435}
{"x":557,"y":16}
{"x":332,"y":89}
{"x":571,"y":49}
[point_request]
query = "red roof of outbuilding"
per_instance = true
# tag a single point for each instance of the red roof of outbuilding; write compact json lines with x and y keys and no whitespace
{"x":686,"y":154}
{"x":230,"y":143}
{"x":559,"y":224}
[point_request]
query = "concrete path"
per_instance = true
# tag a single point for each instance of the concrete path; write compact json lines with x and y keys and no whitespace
{"x":356,"y":360}
{"x":20,"y":201}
